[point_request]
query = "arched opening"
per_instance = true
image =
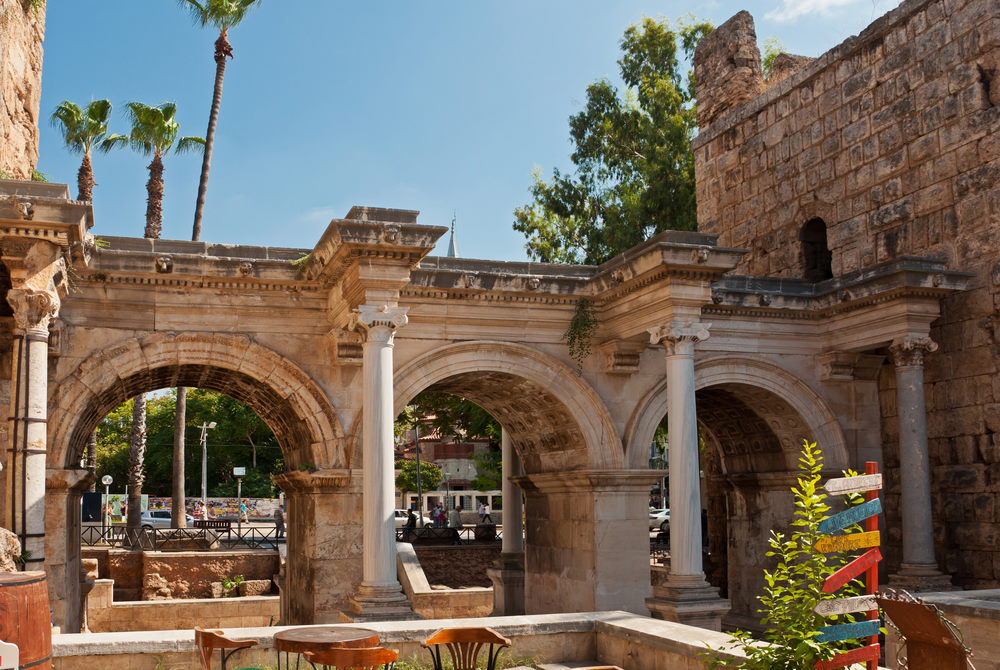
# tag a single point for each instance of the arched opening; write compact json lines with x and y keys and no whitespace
{"x":817,"y":260}
{"x":305,"y":426}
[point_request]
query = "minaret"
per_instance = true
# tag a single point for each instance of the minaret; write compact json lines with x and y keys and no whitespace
{"x":452,"y":251}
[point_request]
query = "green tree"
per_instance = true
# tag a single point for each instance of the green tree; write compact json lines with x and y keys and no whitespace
{"x":222,"y":15}
{"x":83,"y":130}
{"x":154,"y":132}
{"x":406,"y":480}
{"x":489,"y":470}
{"x":795,"y":585}
{"x":449,"y":415}
{"x":634,"y":170}
{"x":772,"y":48}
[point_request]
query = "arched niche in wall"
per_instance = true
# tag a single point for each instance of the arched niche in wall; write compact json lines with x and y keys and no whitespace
{"x":817,"y":260}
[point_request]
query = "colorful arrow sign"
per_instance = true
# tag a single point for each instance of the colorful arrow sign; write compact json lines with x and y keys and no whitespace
{"x":848,"y":542}
{"x":849,"y":631}
{"x":852,"y":570}
{"x":869,"y":653}
{"x":851,"y":516}
{"x":842,"y":485}
{"x":846,"y":605}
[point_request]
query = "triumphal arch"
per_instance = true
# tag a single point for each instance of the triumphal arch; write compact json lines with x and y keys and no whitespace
{"x":327,"y":348}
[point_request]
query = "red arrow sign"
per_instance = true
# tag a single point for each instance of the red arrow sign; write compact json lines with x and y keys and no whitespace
{"x":869,"y":653}
{"x":852,"y":570}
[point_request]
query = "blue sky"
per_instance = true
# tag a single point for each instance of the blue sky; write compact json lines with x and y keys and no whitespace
{"x":417,"y":104}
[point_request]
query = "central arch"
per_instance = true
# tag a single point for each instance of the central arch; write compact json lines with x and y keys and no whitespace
{"x":557,"y":422}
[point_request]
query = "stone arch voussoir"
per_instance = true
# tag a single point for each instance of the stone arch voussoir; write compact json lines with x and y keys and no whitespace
{"x":571,"y":399}
{"x":277,"y":389}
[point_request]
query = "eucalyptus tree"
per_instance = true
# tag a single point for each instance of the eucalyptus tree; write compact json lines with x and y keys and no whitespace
{"x":222,"y":15}
{"x":154,"y":132}
{"x":83,"y":129}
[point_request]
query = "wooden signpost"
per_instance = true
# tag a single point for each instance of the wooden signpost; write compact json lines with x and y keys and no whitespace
{"x":867,"y":564}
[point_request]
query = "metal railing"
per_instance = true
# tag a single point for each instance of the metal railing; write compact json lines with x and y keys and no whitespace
{"x":200,"y":539}
{"x":467,"y":534}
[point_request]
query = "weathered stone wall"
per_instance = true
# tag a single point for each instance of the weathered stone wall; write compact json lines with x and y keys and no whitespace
{"x":22,"y":29}
{"x":890,"y":138}
{"x":456,"y":567}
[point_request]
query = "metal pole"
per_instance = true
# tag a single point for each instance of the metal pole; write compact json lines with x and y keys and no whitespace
{"x":420,"y":488}
{"x":204,"y":466}
{"x":104,"y":512}
{"x":239,"y":509}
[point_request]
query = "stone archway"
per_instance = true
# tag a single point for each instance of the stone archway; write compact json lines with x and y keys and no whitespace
{"x":581,"y":507}
{"x":753,"y":418}
{"x":285,"y":397}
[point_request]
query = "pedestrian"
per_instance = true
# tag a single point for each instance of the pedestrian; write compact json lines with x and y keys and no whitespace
{"x":482,"y":512}
{"x":279,"y":522}
{"x":438,"y":516}
{"x":486,"y":514}
{"x":455,"y":524}
{"x":244,"y":516}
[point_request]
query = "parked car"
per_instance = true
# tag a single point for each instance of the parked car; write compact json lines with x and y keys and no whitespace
{"x":659,"y":519}
{"x":161,"y":518}
{"x":401,"y":519}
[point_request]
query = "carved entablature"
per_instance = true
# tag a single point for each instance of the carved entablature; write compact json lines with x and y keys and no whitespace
{"x":848,"y":366}
{"x":679,"y":337}
{"x":33,"y":309}
{"x":347,"y":346}
{"x":622,"y":356}
{"x":909,"y":351}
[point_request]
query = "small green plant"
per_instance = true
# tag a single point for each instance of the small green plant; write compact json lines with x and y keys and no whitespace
{"x":21,"y":560}
{"x":307,"y":467}
{"x":231,"y":586}
{"x":301,"y":264}
{"x":101,"y":243}
{"x":772,"y":49}
{"x":38,"y":175}
{"x":4,"y":175}
{"x":794,"y":586}
{"x":580,"y":330}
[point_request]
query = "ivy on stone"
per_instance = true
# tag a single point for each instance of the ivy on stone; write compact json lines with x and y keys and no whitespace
{"x":581,"y":329}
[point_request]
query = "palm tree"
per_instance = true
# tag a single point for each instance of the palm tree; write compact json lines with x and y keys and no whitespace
{"x":83,"y":130}
{"x":223,"y":15}
{"x":154,"y":131}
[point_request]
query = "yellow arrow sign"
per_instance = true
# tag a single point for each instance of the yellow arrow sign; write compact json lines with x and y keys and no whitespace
{"x":848,"y":542}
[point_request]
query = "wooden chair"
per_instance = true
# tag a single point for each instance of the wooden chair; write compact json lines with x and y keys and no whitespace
{"x":363,"y":658}
{"x":208,"y":641}
{"x":464,"y":646}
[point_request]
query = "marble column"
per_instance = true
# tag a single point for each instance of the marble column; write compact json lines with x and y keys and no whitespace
{"x":25,"y":490}
{"x":380,"y":595}
{"x":507,"y":573}
{"x":919,"y":568}
{"x":686,"y":596}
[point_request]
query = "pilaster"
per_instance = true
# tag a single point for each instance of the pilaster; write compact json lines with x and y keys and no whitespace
{"x":63,"y":492}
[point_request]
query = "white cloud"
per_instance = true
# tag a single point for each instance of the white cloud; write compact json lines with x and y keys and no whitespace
{"x":792,"y":10}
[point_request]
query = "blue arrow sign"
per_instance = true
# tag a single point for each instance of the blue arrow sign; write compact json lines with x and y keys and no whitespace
{"x":851,"y":516}
{"x":849,"y":631}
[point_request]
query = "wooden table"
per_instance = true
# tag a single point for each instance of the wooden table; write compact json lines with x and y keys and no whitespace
{"x":319,"y":638}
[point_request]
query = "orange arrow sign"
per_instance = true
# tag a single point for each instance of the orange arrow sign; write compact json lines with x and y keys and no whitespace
{"x":851,"y":570}
{"x":848,"y":542}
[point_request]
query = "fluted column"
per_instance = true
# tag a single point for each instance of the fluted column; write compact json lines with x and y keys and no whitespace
{"x":25,"y":491}
{"x":914,"y":462}
{"x":686,"y":597}
{"x":380,"y":594}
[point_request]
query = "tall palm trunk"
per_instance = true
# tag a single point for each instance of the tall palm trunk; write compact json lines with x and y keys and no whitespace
{"x":154,"y":198}
{"x":136,"y":462}
{"x":223,"y":50}
{"x":85,"y":179}
{"x":178,"y":504}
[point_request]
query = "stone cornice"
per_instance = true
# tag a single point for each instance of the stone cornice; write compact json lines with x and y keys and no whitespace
{"x":319,"y":481}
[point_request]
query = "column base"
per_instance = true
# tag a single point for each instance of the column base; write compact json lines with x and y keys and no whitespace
{"x":507,"y":575}
{"x":380,"y":603}
{"x":921,"y":578}
{"x":688,"y":600}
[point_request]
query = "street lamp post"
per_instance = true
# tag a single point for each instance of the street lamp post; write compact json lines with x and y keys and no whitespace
{"x":106,"y":480}
{"x":205,"y":427}
{"x":420,"y":488}
{"x":239,"y":473}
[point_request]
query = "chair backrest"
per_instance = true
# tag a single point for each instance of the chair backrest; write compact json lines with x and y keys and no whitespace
{"x":464,"y":646}
{"x":209,"y":640}
{"x":362,"y":658}
{"x":10,"y":656}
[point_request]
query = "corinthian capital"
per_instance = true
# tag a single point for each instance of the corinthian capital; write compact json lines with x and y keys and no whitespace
{"x":33,"y":309}
{"x":380,"y":322}
{"x":679,"y":337}
{"x":909,"y":351}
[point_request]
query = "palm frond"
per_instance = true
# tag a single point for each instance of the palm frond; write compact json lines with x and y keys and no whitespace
{"x":223,"y":14}
{"x":112,"y":141}
{"x":68,"y":118}
{"x":198,"y":11}
{"x":99,"y":111}
{"x":186,"y":144}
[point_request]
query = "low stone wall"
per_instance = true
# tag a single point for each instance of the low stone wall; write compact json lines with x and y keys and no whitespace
{"x":619,"y":638}
{"x":458,"y":566}
{"x":977,"y":615}
{"x":106,"y":616}
{"x":188,"y":574}
{"x":440,"y":602}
